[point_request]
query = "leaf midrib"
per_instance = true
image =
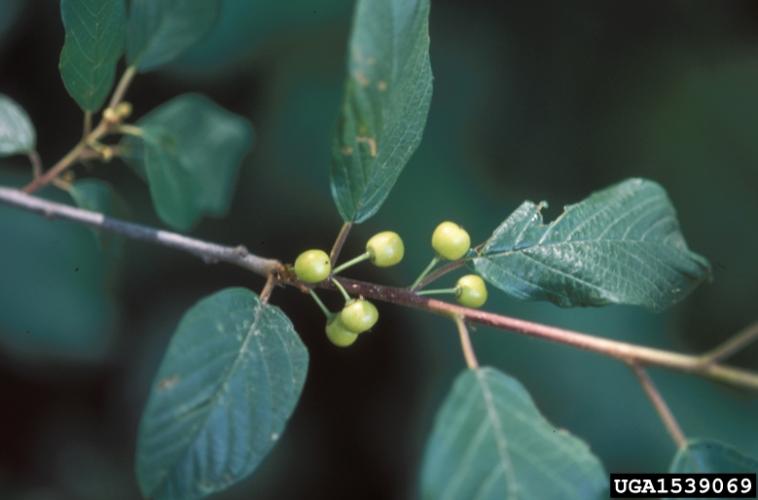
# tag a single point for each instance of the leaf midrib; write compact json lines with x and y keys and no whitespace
{"x":516,"y":251}
{"x":210,"y":402}
{"x":511,"y":485}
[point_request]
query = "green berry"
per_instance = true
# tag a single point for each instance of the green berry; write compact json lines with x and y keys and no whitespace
{"x":450,"y":241}
{"x":359,"y":315}
{"x":471,"y":291}
{"x":338,"y":334}
{"x":385,"y":249}
{"x":313,"y":266}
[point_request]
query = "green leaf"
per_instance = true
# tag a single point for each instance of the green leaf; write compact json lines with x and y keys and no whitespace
{"x":160,"y":30}
{"x":705,"y":456}
{"x":622,"y":245}
{"x":190,"y":154}
{"x":491,"y":442}
{"x":99,"y":196}
{"x":700,"y":455}
{"x":386,"y":102}
{"x":17,"y":133}
{"x":95,"y":34}
{"x":231,"y":378}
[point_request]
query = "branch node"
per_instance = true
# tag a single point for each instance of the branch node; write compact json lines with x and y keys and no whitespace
{"x":622,"y":351}
{"x":268,"y":288}
{"x":729,"y":347}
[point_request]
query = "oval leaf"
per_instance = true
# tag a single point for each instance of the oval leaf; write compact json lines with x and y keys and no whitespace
{"x":229,"y":382}
{"x":95,"y":34}
{"x":160,"y":30}
{"x":190,"y":154}
{"x":490,"y":442}
{"x":621,"y":245}
{"x":17,"y":134}
{"x":386,"y":102}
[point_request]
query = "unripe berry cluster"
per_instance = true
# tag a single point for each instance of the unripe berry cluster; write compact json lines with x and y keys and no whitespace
{"x":384,"y":249}
{"x":449,"y":241}
{"x":118,"y":114}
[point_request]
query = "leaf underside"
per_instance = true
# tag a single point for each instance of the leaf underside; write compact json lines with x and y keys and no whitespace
{"x":229,"y":382}
{"x":490,"y":442}
{"x":17,"y":134}
{"x":385,"y":106}
{"x":622,"y":245}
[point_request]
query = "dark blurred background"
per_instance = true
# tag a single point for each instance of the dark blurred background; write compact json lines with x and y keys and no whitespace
{"x":532,"y":100}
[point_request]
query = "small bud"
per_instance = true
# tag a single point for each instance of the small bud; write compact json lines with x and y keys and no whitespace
{"x":107,"y":153}
{"x":110,"y":115}
{"x":124,"y":110}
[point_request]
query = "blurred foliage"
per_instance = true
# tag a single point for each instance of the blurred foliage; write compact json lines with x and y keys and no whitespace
{"x":8,"y":14}
{"x":54,"y":293}
{"x":532,"y":100}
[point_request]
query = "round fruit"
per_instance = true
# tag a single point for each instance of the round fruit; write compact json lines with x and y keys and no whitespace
{"x":313,"y":266}
{"x":359,"y":315}
{"x":338,"y":334}
{"x":471,"y":291}
{"x":450,"y":241}
{"x":385,"y":249}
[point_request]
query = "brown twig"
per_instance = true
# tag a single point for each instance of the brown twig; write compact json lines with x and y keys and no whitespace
{"x":87,"y":126}
{"x":209,"y":252}
{"x":36,"y":163}
{"x":339,"y":242}
{"x":438,"y":273}
{"x":212,"y":252}
{"x":466,"y":346}
{"x":91,"y":154}
{"x":268,"y":288}
{"x":660,"y":405}
{"x":621,"y":351}
{"x":68,"y":160}
{"x":75,"y":154}
{"x":123,"y":86}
